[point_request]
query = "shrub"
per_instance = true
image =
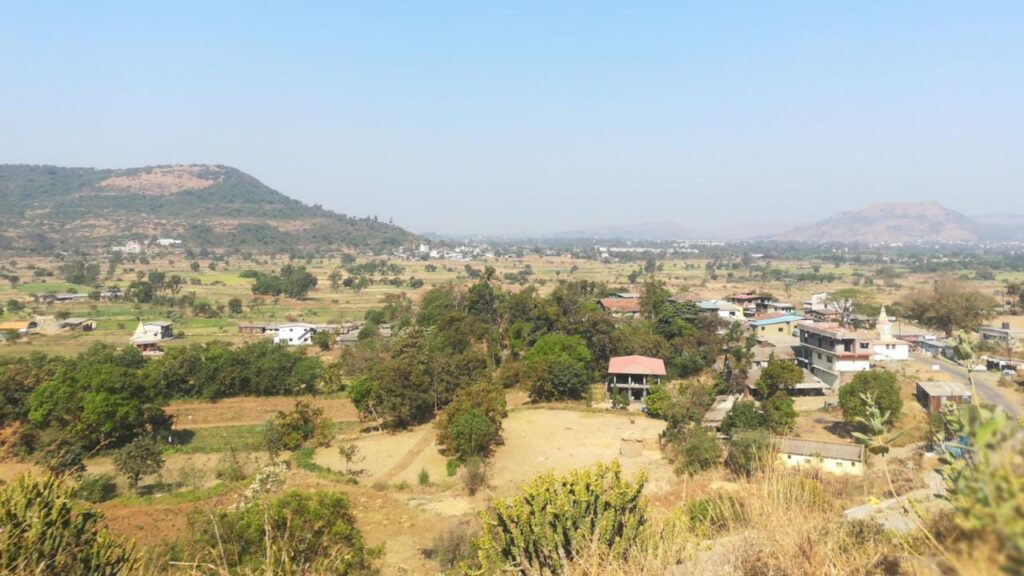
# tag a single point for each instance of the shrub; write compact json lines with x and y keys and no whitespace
{"x":474,"y":477}
{"x":779,"y":413}
{"x":323,"y":340}
{"x":555,"y":518}
{"x":748,"y":452}
{"x":423,"y":478}
{"x":744,"y":415}
{"x":455,"y":546}
{"x":42,"y":531}
{"x":96,"y":488}
{"x":230,"y":467}
{"x":880,"y":385}
{"x":694,"y":449}
{"x":295,"y":533}
{"x":304,"y":424}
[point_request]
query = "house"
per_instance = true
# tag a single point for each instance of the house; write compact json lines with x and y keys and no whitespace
{"x":782,"y":307}
{"x":721,"y":308}
{"x":751,"y":303}
{"x":253,"y":328}
{"x":776,"y":325}
{"x":620,"y":307}
{"x":817,"y":301}
{"x":886,"y":347}
{"x":936,"y":348}
{"x":722,"y":405}
{"x":765,"y":350}
{"x":823,"y":315}
{"x":634,"y":375}
{"x":1003,"y":335}
{"x":834,"y":457}
{"x":21,"y":326}
{"x":833,"y":353}
{"x":168,"y":242}
{"x":60,"y":297}
{"x":935,"y":395}
{"x":295,"y":334}
{"x":154,"y":330}
{"x":81,"y":324}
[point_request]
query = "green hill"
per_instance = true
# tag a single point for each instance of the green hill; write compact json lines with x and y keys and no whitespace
{"x":211,"y":206}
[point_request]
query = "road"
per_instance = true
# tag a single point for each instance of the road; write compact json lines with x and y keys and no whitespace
{"x":986,"y":383}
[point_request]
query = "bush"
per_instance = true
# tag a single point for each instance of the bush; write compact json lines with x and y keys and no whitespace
{"x":96,"y":488}
{"x":455,"y":546}
{"x":556,"y":518}
{"x":749,"y":452}
{"x":474,"y":477}
{"x":693,"y":450}
{"x":323,"y":340}
{"x":42,"y":531}
{"x":230,"y":467}
{"x":423,"y":478}
{"x":879,"y":384}
{"x":779,"y":413}
{"x":744,"y":415}
{"x":295,"y":533}
{"x":293,"y":430}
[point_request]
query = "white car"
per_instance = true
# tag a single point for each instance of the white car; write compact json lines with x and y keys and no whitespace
{"x":979,"y":368}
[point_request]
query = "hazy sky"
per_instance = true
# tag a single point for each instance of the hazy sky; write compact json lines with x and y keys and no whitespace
{"x":511,"y":117}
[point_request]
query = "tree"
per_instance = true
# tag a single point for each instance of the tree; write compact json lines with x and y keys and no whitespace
{"x":653,"y":297}
{"x":194,"y":266}
{"x":748,"y":452}
{"x":235,"y":305}
{"x":739,"y":356}
{"x":848,"y":301}
{"x":44,"y":531}
{"x":304,"y":424}
{"x":880,"y":385}
{"x":779,"y":414}
{"x":778,"y":376}
{"x":323,"y":340}
{"x":948,"y":305}
{"x":744,"y":415}
{"x":141,"y":457}
{"x":349,"y":453}
{"x":471,"y":424}
{"x":558,"y":366}
{"x":335,"y":278}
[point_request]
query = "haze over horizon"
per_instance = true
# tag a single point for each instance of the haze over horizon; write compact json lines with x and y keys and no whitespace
{"x":532,"y":118}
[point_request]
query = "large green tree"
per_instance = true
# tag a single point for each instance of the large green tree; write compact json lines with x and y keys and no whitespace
{"x":949,"y":305}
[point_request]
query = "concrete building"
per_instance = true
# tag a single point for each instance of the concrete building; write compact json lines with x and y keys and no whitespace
{"x":634,"y":375}
{"x":620,"y":307}
{"x":776,"y":326}
{"x":833,"y":353}
{"x":833,"y":457}
{"x":722,"y":309}
{"x":295,"y":334}
{"x":154,"y":330}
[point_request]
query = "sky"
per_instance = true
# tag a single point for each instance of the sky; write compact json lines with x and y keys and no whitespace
{"x":536,"y":117}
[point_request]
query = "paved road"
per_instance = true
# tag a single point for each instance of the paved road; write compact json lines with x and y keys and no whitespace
{"x":986,"y":383}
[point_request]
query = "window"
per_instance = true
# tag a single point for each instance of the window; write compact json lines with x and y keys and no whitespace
{"x":864,"y":345}
{"x":780,"y":328}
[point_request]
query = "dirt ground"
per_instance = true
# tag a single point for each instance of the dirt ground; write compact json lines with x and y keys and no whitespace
{"x":250,"y":410}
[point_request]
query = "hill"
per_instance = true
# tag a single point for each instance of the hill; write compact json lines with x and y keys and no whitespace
{"x":889,"y":224}
{"x":211,"y":206}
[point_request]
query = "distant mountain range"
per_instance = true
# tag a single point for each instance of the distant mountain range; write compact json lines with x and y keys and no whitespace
{"x":213,"y":206}
{"x":908,"y":223}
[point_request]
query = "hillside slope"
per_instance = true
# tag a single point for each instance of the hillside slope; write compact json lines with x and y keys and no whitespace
{"x":211,"y":206}
{"x":890,"y":223}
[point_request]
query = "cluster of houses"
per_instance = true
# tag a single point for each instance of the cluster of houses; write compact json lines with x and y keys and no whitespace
{"x":829,"y":353}
{"x":301,"y":333}
{"x":135,"y":247}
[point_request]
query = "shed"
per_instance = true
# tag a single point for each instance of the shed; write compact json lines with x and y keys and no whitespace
{"x":935,"y":395}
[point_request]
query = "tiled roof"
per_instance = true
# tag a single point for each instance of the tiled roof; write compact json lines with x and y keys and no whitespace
{"x":636,"y":365}
{"x":620,"y":304}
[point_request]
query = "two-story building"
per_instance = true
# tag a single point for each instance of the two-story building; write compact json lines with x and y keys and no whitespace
{"x":634,"y":375}
{"x":295,"y":334}
{"x":833,"y":353}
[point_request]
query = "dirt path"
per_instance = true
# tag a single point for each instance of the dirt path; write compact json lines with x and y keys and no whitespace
{"x":410,"y":456}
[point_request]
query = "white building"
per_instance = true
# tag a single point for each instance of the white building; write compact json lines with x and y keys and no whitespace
{"x":154,"y":330}
{"x":168,"y":242}
{"x":295,"y":334}
{"x":724,"y":310}
{"x":834,"y":457}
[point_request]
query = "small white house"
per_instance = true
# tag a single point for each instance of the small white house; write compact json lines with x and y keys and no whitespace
{"x":834,"y":457}
{"x":295,"y":334}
